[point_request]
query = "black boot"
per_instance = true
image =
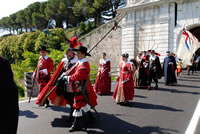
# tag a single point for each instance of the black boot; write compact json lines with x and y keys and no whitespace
{"x":156,"y":86}
{"x":46,"y":103}
{"x":90,"y":117}
{"x":71,"y":118}
{"x":77,"y":125}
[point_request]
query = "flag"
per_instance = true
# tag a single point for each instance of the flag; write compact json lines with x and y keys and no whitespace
{"x":187,"y":46}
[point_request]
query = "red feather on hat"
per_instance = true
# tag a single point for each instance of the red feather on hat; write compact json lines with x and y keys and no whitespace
{"x":158,"y":54}
{"x":74,"y":43}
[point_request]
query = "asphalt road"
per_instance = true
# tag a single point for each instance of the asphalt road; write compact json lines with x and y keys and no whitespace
{"x":167,"y":110}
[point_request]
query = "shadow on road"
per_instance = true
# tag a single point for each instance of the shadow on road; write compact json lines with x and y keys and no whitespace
{"x":140,"y":96}
{"x":28,"y":114}
{"x":153,"y":106}
{"x":110,"y":124}
{"x":60,"y":109}
{"x":178,"y":91}
{"x":192,"y":86}
{"x":155,"y":130}
{"x":192,"y":80}
{"x":61,"y":122}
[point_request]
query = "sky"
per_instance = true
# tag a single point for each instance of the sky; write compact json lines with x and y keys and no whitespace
{"x":8,"y":7}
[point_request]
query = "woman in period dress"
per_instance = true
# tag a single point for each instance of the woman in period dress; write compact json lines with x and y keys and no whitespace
{"x":103,"y":82}
{"x":141,"y":75}
{"x":124,"y":90}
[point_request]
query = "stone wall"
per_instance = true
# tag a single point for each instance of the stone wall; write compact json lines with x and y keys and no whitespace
{"x":111,"y":44}
{"x":157,"y":24}
{"x":146,"y":28}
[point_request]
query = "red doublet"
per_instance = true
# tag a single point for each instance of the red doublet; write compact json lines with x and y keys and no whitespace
{"x":82,"y":72}
{"x":50,"y":85}
{"x":45,"y":63}
{"x":125,"y":90}
{"x":103,"y":80}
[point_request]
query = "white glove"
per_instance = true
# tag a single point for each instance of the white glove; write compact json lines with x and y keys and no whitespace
{"x":66,"y":78}
{"x":62,"y":75}
{"x":125,"y":81}
{"x":44,"y":71}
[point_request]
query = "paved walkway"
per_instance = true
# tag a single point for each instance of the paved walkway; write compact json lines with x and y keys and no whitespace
{"x":167,"y":110}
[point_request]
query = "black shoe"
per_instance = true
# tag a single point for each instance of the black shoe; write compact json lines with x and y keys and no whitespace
{"x":156,"y":86}
{"x":127,"y":103}
{"x":90,"y":117}
{"x":47,"y":105}
{"x":74,"y":128}
{"x":77,"y":125}
{"x":71,"y":118}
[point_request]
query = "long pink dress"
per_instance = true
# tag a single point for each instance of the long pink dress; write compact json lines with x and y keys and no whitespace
{"x":103,"y":80}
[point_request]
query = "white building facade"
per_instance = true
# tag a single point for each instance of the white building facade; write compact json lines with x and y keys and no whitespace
{"x":158,"y":24}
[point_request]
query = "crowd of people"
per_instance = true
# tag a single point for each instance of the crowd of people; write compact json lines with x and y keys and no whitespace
{"x":73,"y":85}
{"x":70,"y":83}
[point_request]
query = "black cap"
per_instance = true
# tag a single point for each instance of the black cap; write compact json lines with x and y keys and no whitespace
{"x":125,"y":55}
{"x":168,"y":52}
{"x":43,"y":48}
{"x":82,"y":49}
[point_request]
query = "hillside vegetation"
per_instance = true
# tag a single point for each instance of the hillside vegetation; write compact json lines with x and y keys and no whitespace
{"x":62,"y":18}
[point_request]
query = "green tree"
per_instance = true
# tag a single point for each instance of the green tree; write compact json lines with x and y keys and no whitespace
{"x":53,"y":11}
{"x":83,"y":9}
{"x":39,"y":21}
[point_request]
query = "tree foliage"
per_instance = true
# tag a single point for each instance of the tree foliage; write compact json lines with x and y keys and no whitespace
{"x":62,"y":13}
{"x":21,"y":45}
{"x":13,"y":47}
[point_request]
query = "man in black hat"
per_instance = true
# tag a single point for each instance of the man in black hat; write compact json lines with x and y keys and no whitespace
{"x":70,"y":60}
{"x":154,"y":69}
{"x":43,"y":70}
{"x":84,"y":95}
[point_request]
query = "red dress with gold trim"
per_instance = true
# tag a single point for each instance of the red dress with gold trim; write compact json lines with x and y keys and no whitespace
{"x":124,"y":90}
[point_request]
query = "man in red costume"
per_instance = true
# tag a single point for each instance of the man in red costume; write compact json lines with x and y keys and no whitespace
{"x":43,"y":70}
{"x":81,"y":87}
{"x":64,"y":89}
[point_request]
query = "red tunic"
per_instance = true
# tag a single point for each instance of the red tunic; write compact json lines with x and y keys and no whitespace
{"x":103,"y":80}
{"x":124,"y":92}
{"x":46,"y":64}
{"x":82,"y":73}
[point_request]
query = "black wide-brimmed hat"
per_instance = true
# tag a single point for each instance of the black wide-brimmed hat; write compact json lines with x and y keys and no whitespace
{"x":82,"y":49}
{"x":43,"y":48}
{"x":168,"y":52}
{"x":152,"y":51}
